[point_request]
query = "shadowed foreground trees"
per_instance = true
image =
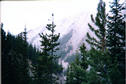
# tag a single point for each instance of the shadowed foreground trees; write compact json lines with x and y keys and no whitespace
{"x":15,"y":54}
{"x":103,"y":63}
{"x":24,"y":64}
{"x":14,"y":59}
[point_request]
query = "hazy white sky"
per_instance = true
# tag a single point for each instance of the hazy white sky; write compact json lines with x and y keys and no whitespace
{"x":16,"y":14}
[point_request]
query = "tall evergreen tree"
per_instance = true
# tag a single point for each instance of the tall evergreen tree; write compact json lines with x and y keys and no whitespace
{"x":100,"y":31}
{"x":46,"y":68}
{"x":3,"y":55}
{"x":116,"y":38}
{"x":104,"y":66}
{"x":20,"y":47}
{"x":93,"y":67}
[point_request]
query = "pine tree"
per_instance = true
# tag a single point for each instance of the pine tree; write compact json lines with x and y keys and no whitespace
{"x":46,"y":68}
{"x":20,"y":47}
{"x":14,"y":66}
{"x":100,"y":66}
{"x":3,"y":36}
{"x":15,"y":52}
{"x":100,"y":31}
{"x":25,"y":56}
{"x":76,"y":73}
{"x":4,"y":56}
{"x":116,"y":38}
{"x":10,"y":62}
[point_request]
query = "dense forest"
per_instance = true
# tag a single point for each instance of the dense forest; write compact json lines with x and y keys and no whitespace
{"x":103,"y":63}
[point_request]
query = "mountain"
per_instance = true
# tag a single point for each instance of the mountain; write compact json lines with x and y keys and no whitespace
{"x":72,"y":34}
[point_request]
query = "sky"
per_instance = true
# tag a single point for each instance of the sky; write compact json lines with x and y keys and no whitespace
{"x":15,"y":15}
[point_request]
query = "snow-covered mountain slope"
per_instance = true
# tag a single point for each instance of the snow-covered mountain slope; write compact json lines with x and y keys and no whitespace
{"x":72,"y":34}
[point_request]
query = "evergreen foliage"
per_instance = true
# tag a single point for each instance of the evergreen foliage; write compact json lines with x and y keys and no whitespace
{"x":100,"y":67}
{"x":116,"y":38}
{"x":76,"y":73}
{"x":104,"y":63}
{"x":15,"y":66}
{"x":93,"y":67}
{"x":47,"y":66}
{"x":100,"y":31}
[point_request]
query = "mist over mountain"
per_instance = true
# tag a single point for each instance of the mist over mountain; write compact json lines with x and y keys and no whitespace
{"x":63,"y":42}
{"x":72,"y":34}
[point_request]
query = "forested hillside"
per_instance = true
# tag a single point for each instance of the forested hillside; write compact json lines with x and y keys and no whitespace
{"x":95,"y":57}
